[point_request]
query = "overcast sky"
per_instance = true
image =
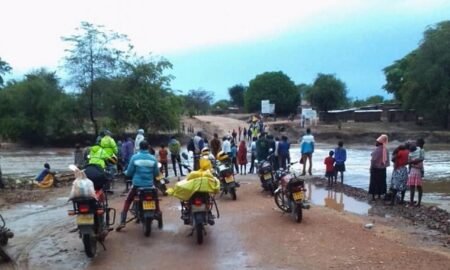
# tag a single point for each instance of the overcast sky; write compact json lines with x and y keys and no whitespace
{"x":216,"y":44}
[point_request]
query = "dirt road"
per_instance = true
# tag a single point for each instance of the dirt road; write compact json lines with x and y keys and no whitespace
{"x":251,"y":233}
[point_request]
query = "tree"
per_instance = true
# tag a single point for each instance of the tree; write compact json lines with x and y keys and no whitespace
{"x":276,"y":87}
{"x":36,"y":109}
{"x":94,"y":54}
{"x":421,"y":80}
{"x":328,"y":93}
{"x":198,"y":101}
{"x":377,"y":99}
{"x":237,"y":95}
{"x":143,"y":96}
{"x":304,"y":91}
{"x":4,"y":69}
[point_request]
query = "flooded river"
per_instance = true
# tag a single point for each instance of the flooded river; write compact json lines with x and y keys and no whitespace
{"x":437,"y":164}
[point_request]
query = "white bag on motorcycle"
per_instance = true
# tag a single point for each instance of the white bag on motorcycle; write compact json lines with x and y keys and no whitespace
{"x":81,"y":186}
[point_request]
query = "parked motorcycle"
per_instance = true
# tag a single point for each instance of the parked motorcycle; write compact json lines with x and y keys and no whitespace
{"x":265,"y":173}
{"x":224,"y":173}
{"x":145,"y":209}
{"x":5,"y":235}
{"x":94,"y":219}
{"x":290,"y":195}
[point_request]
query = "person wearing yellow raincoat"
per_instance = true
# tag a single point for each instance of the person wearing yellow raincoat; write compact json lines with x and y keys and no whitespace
{"x":201,"y":180}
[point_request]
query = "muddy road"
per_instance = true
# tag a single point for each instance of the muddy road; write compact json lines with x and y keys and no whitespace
{"x":250,"y":233}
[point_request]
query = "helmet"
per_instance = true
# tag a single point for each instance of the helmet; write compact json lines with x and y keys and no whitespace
{"x":205,"y":163}
{"x":221,"y":156}
{"x":204,"y":152}
{"x":140,"y":131}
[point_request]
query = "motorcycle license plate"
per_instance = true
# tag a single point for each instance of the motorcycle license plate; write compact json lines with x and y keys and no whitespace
{"x":148,"y":205}
{"x":229,"y":179}
{"x":298,"y":196}
{"x":198,"y":208}
{"x":87,"y":219}
{"x":267,"y":176}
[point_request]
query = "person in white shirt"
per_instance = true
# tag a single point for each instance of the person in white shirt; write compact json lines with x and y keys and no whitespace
{"x":253,"y":155}
{"x":226,"y":146}
{"x":138,"y":140}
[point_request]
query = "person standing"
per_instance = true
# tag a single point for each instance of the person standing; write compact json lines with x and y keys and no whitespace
{"x":242,"y":157}
{"x":340,"y":156}
{"x":262,"y":148}
{"x":198,"y":146}
{"x":276,"y":154}
{"x":329,"y":168}
{"x":234,"y":157}
{"x":226,"y":146}
{"x":138,"y":140}
{"x":244,"y":133}
{"x":162,"y":155}
{"x":239,"y":133}
{"x":174,"y":148}
{"x":400,"y":172}
{"x":378,"y":164}
{"x":215,"y":145}
{"x":307,"y":150}
{"x":78,"y":156}
{"x":253,"y":155}
{"x":234,"y":135}
{"x":127,"y":152}
{"x":415,"y":159}
{"x":283,"y":151}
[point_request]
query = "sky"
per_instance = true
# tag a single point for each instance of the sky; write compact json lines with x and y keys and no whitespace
{"x":216,"y":44}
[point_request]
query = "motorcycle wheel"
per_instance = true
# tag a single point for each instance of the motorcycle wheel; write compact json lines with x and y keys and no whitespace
{"x":147,"y":225}
{"x":298,"y":215}
{"x":281,"y":200}
{"x":199,"y":232}
{"x":90,"y":245}
{"x":233,"y":194}
{"x":160,"y":222}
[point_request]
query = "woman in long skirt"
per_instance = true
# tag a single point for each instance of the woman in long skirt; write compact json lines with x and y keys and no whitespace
{"x":378,"y":164}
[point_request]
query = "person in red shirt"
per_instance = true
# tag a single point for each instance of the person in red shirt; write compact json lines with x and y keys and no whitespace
{"x":162,"y":153}
{"x":330,"y":174}
{"x":400,"y":172}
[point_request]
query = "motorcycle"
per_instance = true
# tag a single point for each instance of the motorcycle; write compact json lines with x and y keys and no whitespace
{"x":5,"y":235}
{"x":197,"y":211}
{"x":144,"y":210}
{"x":93,"y":217}
{"x":224,"y":173}
{"x":265,"y":173}
{"x":290,"y":195}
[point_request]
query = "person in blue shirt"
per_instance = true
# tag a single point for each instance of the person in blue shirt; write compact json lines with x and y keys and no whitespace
{"x":43,"y":173}
{"x":340,"y":156}
{"x":142,"y":168}
{"x":307,"y":149}
{"x":283,"y":151}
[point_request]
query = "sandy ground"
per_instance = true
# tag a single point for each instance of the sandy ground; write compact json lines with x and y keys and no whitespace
{"x":250,"y":233}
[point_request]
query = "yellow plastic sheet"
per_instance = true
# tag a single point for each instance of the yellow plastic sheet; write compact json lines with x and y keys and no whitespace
{"x":46,"y":182}
{"x":196,"y":181}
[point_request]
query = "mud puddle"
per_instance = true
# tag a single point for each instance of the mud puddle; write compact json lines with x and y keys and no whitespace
{"x":338,"y":201}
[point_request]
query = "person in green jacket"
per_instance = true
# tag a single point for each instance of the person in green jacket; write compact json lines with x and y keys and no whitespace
{"x":262,"y":147}
{"x":109,"y":144}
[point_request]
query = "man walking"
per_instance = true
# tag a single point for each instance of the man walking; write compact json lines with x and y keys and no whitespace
{"x":307,"y":149}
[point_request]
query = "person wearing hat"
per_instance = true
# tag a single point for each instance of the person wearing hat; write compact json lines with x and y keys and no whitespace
{"x":378,"y":164}
{"x":138,"y":140}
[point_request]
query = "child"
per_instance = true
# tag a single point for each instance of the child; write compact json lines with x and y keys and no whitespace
{"x":340,"y":158}
{"x":329,"y":168}
{"x":163,"y":159}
